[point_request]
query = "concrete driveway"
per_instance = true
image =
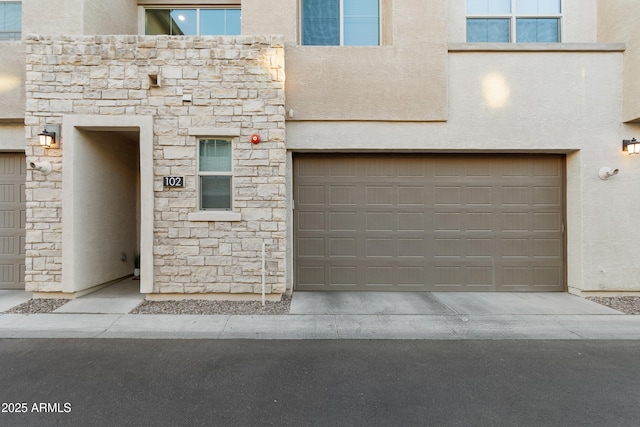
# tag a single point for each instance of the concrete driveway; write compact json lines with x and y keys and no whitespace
{"x":443,"y":303}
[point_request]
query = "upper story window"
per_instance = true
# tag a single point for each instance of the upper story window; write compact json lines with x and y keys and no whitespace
{"x":192,"y":22}
{"x":341,"y":22}
{"x":520,"y":21}
{"x":10,"y":20}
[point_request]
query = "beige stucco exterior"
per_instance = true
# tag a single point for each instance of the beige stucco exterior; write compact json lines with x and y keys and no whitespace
{"x":370,"y":83}
{"x":618,"y":23}
{"x":79,"y":17}
{"x":12,"y":81}
{"x":424,"y":89}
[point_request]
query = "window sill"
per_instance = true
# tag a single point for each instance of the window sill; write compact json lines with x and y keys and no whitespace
{"x":536,"y":47}
{"x":215,"y":216}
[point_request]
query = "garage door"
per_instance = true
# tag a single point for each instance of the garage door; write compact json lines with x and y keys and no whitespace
{"x":415,"y":222}
{"x":12,"y":220}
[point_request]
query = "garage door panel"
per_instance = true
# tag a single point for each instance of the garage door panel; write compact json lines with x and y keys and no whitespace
{"x":8,"y":245}
{"x":515,"y":196}
{"x":8,"y":193}
{"x":516,"y":248}
{"x":12,"y":220}
{"x":343,"y":221}
{"x":381,"y":221}
{"x":343,"y":195}
{"x":411,"y":248}
{"x":447,"y":247}
{"x":311,"y":195}
{"x":479,"y":247}
{"x":547,"y":169}
{"x":311,"y":247}
{"x":343,"y":247}
{"x":429,"y":222}
{"x":547,"y":196}
{"x":311,"y":221}
{"x":478,"y":221}
{"x":411,"y":221}
{"x":447,"y":221}
{"x":344,"y":276}
{"x":411,"y":195}
{"x":547,"y":221}
{"x":450,"y":195}
{"x":380,"y":275}
{"x":343,"y":168}
{"x":311,"y":276}
{"x":479,"y":196}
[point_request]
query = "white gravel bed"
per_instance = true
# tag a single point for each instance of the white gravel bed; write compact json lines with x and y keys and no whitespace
{"x":38,"y":306}
{"x":627,"y":305}
{"x":214,"y":307}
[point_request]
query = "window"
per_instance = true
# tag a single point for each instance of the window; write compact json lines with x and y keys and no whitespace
{"x":341,"y":22}
{"x":192,"y":22}
{"x":215,"y":174}
{"x":10,"y":20}
{"x":521,"y":21}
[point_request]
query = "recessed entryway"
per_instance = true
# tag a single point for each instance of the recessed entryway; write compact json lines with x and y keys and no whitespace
{"x":108,"y":200}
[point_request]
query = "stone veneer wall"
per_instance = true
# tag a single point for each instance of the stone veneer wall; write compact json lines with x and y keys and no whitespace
{"x":235,"y":82}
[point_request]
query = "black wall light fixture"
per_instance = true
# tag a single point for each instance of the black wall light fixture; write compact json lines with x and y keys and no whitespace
{"x":631,"y":146}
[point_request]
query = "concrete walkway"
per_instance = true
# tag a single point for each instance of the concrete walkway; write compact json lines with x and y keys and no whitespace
{"x":442,"y":316}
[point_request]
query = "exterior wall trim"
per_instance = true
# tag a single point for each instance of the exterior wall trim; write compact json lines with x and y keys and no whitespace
{"x":537,"y":47}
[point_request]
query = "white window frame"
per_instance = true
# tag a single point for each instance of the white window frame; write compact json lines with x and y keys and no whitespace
{"x":513,"y":18}
{"x":301,"y":21}
{"x":231,"y":135}
{"x":229,"y":173}
{"x":19,"y":33}
{"x":142,"y":13}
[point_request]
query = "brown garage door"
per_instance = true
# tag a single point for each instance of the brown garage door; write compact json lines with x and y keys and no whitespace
{"x":12,"y":220}
{"x":401,"y":222}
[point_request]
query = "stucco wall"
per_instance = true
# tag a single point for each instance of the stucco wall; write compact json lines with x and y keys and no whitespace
{"x":52,"y":17}
{"x":110,"y":17}
{"x":618,"y":23}
{"x":79,"y":17}
{"x":12,"y":136}
{"x":237,"y":89}
{"x":12,"y":81}
{"x":531,"y":102}
{"x":403,"y":80}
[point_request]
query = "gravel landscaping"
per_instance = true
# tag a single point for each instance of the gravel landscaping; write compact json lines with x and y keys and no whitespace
{"x":214,"y":307}
{"x":627,"y":305}
{"x":38,"y":306}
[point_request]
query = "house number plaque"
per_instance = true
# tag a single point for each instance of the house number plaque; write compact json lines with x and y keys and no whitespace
{"x":173,"y":181}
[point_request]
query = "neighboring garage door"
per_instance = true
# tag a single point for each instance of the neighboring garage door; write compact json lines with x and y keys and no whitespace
{"x":12,"y":220}
{"x":416,"y":222}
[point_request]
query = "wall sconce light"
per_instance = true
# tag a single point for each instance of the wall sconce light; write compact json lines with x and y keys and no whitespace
{"x":48,"y":136}
{"x":631,"y":146}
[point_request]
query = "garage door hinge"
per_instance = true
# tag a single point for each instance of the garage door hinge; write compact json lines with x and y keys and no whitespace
{"x":563,"y":228}
{"x":293,"y":204}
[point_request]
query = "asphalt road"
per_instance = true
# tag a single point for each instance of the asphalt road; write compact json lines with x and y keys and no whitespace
{"x":102,"y":382}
